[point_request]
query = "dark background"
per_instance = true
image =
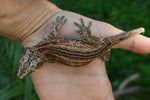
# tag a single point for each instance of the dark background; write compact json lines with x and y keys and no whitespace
{"x":123,"y":14}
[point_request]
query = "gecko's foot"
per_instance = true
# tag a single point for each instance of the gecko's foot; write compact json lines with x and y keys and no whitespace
{"x":84,"y":30}
{"x":57,"y":24}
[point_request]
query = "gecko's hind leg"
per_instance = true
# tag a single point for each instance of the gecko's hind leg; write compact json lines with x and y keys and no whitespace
{"x":85,"y":32}
{"x":56,"y":26}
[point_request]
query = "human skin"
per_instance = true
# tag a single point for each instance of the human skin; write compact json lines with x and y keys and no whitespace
{"x":28,"y":21}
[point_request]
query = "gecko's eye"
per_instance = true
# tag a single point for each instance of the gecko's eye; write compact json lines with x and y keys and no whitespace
{"x":25,"y":56}
{"x":32,"y":63}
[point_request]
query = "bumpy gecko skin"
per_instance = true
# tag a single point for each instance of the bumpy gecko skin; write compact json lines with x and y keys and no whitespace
{"x":71,"y":51}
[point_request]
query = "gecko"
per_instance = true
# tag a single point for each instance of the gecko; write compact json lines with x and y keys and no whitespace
{"x":72,"y":51}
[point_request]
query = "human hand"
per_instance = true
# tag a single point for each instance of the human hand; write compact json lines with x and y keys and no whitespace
{"x":57,"y":81}
{"x":90,"y":81}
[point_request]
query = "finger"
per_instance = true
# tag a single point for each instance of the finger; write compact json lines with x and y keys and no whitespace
{"x":137,"y":44}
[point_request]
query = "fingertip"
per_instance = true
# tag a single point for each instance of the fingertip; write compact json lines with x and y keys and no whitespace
{"x":138,"y":44}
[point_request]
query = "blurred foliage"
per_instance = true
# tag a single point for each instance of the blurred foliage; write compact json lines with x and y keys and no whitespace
{"x":124,"y":14}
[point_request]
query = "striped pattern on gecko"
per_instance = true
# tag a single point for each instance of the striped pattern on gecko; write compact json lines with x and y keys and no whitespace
{"x":71,"y":51}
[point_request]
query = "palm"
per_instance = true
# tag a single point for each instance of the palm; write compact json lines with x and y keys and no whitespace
{"x":70,"y":83}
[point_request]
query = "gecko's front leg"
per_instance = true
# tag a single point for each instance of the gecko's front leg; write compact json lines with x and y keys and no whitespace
{"x":56,"y":26}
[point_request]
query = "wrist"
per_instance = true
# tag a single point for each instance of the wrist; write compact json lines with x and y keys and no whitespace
{"x":26,"y":20}
{"x":40,"y":26}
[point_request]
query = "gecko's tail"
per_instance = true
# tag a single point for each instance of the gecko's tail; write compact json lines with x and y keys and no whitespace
{"x":137,"y":31}
{"x":125,"y":35}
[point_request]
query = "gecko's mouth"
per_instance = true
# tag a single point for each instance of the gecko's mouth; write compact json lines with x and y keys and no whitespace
{"x":24,"y":71}
{"x":21,"y":74}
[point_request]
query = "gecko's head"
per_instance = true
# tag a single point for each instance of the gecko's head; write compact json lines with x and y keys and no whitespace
{"x":28,"y":62}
